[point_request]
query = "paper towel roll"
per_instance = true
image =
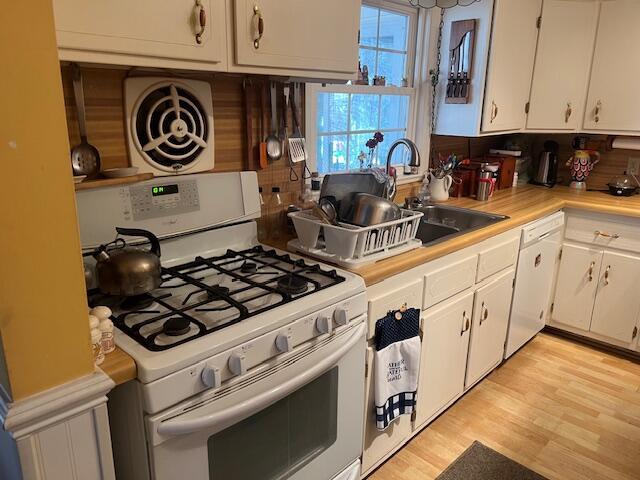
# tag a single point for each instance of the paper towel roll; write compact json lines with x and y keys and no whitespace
{"x":627,"y":143}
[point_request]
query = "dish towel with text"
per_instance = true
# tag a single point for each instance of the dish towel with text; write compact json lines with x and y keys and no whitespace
{"x":396,"y":364}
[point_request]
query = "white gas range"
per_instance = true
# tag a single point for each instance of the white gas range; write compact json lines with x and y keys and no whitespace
{"x":250,"y":360}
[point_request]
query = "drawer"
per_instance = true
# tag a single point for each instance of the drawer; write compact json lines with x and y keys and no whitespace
{"x":450,"y":280}
{"x":410,"y":293}
{"x":496,"y":258}
{"x":604,"y":230}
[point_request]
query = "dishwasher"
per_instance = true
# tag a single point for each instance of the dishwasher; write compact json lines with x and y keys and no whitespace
{"x":539,"y":253}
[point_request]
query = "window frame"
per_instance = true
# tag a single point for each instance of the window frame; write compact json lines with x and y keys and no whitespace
{"x":417,"y":53}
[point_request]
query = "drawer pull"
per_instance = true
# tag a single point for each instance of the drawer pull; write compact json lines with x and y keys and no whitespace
{"x":598,"y":233}
{"x":593,"y":264}
{"x":258,"y":26}
{"x":606,"y":275}
{"x":202,"y":20}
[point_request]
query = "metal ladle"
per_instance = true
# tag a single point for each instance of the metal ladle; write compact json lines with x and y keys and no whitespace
{"x":274,"y":146}
{"x":85,"y":158}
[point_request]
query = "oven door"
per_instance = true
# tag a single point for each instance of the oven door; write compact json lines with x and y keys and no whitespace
{"x":301,"y":419}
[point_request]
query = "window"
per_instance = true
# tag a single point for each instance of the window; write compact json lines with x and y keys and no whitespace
{"x":341,"y":118}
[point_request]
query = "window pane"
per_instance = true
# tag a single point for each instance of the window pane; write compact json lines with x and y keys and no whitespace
{"x":400,"y":154}
{"x":394,"y":111}
{"x":364,"y":112}
{"x":368,"y":59}
{"x":392,"y":67}
{"x":393,"y":30}
{"x":357,"y":144}
{"x":331,"y":153}
{"x":369,"y":26}
{"x":332,"y":112}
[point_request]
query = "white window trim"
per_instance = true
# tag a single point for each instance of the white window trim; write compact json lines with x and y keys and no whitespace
{"x":419,"y":55}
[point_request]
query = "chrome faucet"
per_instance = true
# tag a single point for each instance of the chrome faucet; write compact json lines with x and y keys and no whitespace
{"x":414,"y":161}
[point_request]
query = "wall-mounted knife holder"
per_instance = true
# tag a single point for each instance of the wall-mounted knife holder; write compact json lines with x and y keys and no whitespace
{"x":461,"y":43}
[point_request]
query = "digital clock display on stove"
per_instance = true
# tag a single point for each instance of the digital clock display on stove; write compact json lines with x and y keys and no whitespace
{"x":160,"y":190}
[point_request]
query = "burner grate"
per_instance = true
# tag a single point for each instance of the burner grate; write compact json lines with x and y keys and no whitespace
{"x":257,"y":280}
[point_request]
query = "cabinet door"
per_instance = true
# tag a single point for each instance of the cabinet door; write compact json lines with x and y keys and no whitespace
{"x":320,"y":36}
{"x":617,"y":301}
{"x":561,"y":70}
{"x":377,"y":444}
{"x":576,"y":286}
{"x":511,"y":56}
{"x":443,"y":360}
{"x":491,"y":310}
{"x":612,"y":102}
{"x":155,"y":28}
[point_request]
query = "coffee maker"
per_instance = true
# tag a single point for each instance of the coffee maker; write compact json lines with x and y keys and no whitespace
{"x":546,"y":172}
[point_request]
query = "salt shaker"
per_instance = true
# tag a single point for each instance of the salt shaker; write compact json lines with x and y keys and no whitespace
{"x":106,"y":330}
{"x":96,"y":346}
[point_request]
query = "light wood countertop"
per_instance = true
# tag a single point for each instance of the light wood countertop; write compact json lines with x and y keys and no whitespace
{"x":119,"y":366}
{"x":522,"y":204}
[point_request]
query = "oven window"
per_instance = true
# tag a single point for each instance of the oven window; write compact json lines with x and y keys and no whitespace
{"x":282,"y":438}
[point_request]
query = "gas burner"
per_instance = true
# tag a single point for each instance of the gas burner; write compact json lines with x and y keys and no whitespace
{"x":137,"y":302}
{"x":216,"y":291}
{"x":292,"y":284}
{"x":249,"y":267}
{"x":176,"y":326}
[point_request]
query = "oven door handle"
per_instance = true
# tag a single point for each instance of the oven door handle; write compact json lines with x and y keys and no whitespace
{"x":244,"y":409}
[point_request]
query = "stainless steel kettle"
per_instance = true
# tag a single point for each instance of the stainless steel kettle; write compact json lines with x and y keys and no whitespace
{"x":128,"y":271}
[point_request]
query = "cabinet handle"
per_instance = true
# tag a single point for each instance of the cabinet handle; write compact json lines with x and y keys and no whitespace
{"x":258,"y":26}
{"x":598,"y":233}
{"x":567,"y":113}
{"x":494,"y":111}
{"x":202,"y":20}
{"x":465,"y":323}
{"x":593,"y":264}
{"x":606,"y":275}
{"x":484,"y":315}
{"x":597,"y":111}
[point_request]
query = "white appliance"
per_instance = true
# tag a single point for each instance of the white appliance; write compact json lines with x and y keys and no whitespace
{"x":169,"y":125}
{"x":539,"y":252}
{"x":250,"y":361}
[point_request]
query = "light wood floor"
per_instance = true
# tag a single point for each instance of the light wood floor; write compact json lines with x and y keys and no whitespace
{"x":564,"y":410}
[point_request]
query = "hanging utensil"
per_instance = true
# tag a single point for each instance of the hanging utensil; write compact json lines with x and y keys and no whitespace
{"x":252,"y":156}
{"x":274,"y":147}
{"x":262,"y":147}
{"x":85,"y":158}
{"x":297,"y":148}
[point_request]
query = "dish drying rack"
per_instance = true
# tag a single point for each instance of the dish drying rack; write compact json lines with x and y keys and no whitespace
{"x":352,"y":246}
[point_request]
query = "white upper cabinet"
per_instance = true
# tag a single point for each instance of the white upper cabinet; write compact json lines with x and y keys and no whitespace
{"x":297,"y":35}
{"x":617,"y":302}
{"x":163,"y":33}
{"x":513,"y":47}
{"x":561,"y":70}
{"x":613,"y":103}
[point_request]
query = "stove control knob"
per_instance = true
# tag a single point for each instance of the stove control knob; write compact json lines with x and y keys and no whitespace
{"x":237,"y":364}
{"x":283,"y":342}
{"x":323,"y":324}
{"x":211,"y":376}
{"x":340,"y":316}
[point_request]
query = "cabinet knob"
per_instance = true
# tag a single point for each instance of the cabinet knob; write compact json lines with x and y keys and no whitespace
{"x":258,"y":26}
{"x":202,"y":20}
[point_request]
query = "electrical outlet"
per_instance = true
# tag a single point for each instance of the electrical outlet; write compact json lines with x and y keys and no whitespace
{"x":633,"y":166}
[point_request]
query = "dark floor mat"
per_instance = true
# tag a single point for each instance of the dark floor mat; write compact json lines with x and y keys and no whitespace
{"x":479,"y":462}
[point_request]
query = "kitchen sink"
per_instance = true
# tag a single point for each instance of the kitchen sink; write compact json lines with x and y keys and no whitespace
{"x":442,"y":222}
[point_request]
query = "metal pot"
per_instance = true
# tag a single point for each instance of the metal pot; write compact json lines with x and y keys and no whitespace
{"x":128,"y":271}
{"x":371,"y":210}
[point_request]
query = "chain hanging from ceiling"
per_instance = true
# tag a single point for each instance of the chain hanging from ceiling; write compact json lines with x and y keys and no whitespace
{"x":441,"y":3}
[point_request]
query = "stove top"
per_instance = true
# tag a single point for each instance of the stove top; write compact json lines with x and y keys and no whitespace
{"x":208,"y":294}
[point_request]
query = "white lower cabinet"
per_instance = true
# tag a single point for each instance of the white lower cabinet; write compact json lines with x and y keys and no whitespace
{"x":615,"y":313}
{"x":443,"y":360}
{"x":577,"y":285}
{"x":491,"y":309}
